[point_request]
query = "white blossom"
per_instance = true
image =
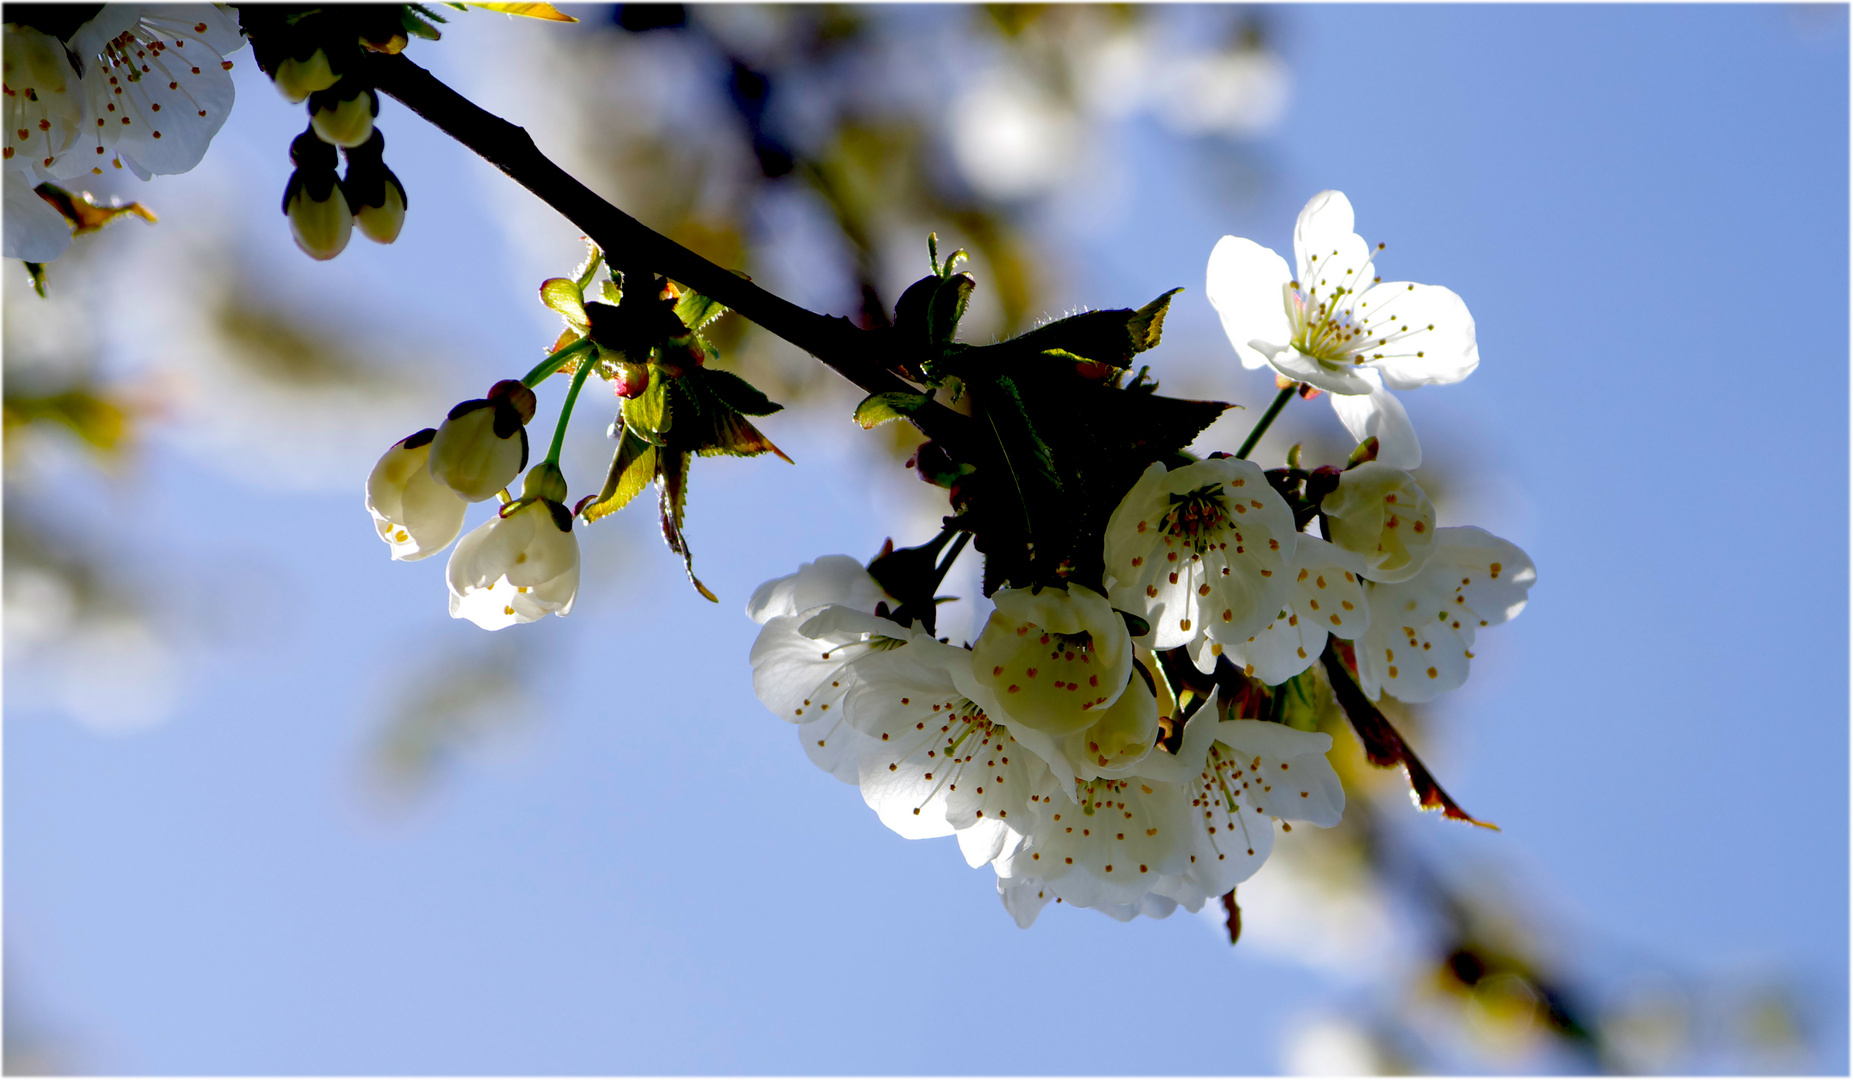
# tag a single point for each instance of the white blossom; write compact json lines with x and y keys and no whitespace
{"x":1251,"y":774}
{"x":517,"y":567}
{"x":1380,"y":513}
{"x":1337,"y":326}
{"x":157,"y":80}
{"x":412,"y":511}
{"x":1422,"y":630}
{"x":820,"y":633}
{"x":127,"y":91}
{"x":1106,"y":845}
{"x":934,"y":761}
{"x":1326,"y":597}
{"x":1053,"y":657}
{"x":1199,"y":550}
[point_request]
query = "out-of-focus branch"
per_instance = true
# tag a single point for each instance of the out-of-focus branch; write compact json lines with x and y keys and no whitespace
{"x":852,"y":352}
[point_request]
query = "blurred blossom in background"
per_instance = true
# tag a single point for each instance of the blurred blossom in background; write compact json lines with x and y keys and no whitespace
{"x":271,"y":810}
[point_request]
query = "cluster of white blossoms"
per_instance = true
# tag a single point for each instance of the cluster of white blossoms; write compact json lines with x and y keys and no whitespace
{"x":516,"y":567}
{"x":1053,"y":746}
{"x":137,"y":86}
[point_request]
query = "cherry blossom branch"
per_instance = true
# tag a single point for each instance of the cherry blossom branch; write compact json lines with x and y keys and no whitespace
{"x":852,"y":352}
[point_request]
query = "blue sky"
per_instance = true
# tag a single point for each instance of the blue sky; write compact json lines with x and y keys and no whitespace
{"x":1645,"y":209}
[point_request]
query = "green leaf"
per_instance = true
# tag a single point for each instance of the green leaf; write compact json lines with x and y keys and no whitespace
{"x":894,"y":405}
{"x":697,"y":311}
{"x":736,"y":393}
{"x":947,"y":306}
{"x":563,"y":296}
{"x":1047,"y":515}
{"x":418,"y":27}
{"x":1148,"y":323}
{"x":1301,"y":700}
{"x":586,"y":271}
{"x":1107,"y":337}
{"x":730,"y":433}
{"x":673,"y":483}
{"x":36,"y":271}
{"x":633,"y":466}
{"x":649,"y":413}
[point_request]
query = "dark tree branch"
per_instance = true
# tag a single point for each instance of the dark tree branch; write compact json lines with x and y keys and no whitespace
{"x":852,"y":352}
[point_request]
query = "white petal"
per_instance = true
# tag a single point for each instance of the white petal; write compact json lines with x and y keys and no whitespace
{"x":1223,"y":575}
{"x":469,"y":456}
{"x":833,"y":745}
{"x":34,"y":231}
{"x":550,"y":551}
{"x":1053,"y":657}
{"x":1024,"y":898}
{"x":1423,"y":630}
{"x":44,"y":108}
{"x":1380,"y":414}
{"x":1299,"y":367}
{"x":1244,"y":284}
{"x":556,"y":595}
{"x":412,"y":512}
{"x":1135,"y":836}
{"x":833,"y":579}
{"x":489,"y":608}
{"x":1380,"y":513}
{"x":1290,"y":775}
{"x":170,"y":86}
{"x":1324,"y":223}
{"x":1121,"y":739}
{"x":1328,"y":598}
{"x":483,"y":556}
{"x":1433,"y":340}
{"x":934,"y":761}
{"x":798,"y":677}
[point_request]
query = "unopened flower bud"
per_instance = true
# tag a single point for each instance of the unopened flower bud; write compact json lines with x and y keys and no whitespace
{"x":297,"y":79}
{"x":373,"y":192}
{"x":483,"y":445}
{"x":343,"y":114}
{"x":545,"y":481}
{"x":320,"y":219}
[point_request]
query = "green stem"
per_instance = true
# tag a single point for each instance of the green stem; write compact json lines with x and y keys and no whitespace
{"x":566,"y":411}
{"x":1261,"y":425}
{"x":958,"y":545}
{"x":554,"y":363}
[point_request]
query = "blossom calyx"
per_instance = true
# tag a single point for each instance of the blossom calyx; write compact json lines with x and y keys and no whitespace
{"x":1379,"y":512}
{"x":483,"y":444}
{"x":516,"y":567}
{"x":412,"y":511}
{"x":343,"y":114}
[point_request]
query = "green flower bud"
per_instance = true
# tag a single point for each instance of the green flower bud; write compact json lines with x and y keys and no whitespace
{"x":381,"y":224}
{"x":297,"y":79}
{"x":374,"y":193}
{"x":319,"y":216}
{"x":343,"y":115}
{"x":545,"y":482}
